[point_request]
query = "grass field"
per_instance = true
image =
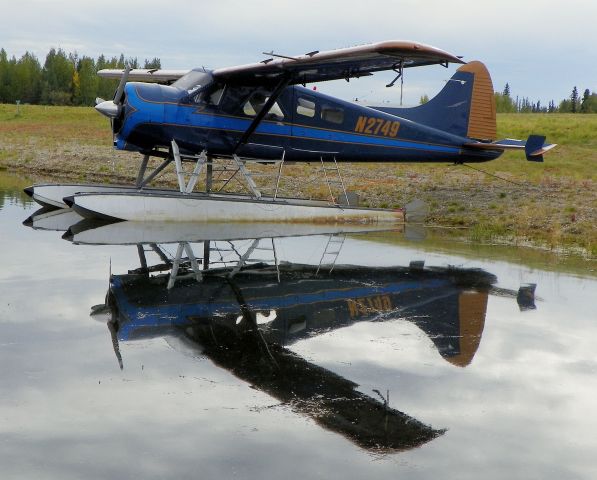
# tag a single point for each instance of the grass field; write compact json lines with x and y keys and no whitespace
{"x":550,"y":205}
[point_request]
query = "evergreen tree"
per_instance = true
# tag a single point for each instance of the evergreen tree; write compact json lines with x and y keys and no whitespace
{"x":88,"y":81}
{"x":574,"y":100}
{"x":155,"y":63}
{"x":132,"y":63}
{"x":4,"y":77}
{"x":26,"y":79}
{"x":589,"y":104}
{"x":57,"y":79}
{"x":525,"y":105}
{"x":65,"y":79}
{"x":585,"y":106}
{"x":106,"y":88}
{"x":506,"y":90}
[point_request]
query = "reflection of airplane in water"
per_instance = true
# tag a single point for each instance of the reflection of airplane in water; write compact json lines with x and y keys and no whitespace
{"x":243,"y":315}
{"x":242,"y":312}
{"x":448,"y":304}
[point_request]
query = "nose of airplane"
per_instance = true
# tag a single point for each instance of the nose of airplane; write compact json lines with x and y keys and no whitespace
{"x":107,"y":108}
{"x":101,"y":313}
{"x":112,"y":108}
{"x":137,"y":114}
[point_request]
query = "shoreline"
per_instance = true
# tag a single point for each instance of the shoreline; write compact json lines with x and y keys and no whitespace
{"x":550,"y":206}
{"x":457,"y":232}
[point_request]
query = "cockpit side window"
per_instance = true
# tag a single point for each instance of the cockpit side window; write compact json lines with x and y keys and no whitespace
{"x":216,"y":95}
{"x":210,"y":95}
{"x":257,"y":101}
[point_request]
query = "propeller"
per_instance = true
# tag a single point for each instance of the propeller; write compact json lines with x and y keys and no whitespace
{"x":112,"y":108}
{"x":106,"y":313}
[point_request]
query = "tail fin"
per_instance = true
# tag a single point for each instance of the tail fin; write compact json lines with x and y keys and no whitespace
{"x":465,"y":106}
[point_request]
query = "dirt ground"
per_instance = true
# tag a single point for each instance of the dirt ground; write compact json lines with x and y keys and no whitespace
{"x":557,"y":213}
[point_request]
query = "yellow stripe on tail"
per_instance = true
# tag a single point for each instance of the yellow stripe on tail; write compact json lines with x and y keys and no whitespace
{"x":482,"y":120}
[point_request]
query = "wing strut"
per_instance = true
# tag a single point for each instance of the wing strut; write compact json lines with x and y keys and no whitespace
{"x":282,"y":84}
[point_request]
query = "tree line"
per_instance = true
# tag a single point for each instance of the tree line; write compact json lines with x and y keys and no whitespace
{"x":70,"y":79}
{"x":64,"y":79}
{"x":505,"y":103}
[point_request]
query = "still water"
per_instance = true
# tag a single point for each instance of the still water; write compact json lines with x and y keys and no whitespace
{"x":131,"y":351}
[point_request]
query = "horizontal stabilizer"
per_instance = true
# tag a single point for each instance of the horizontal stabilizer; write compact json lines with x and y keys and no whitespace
{"x":534,"y":146}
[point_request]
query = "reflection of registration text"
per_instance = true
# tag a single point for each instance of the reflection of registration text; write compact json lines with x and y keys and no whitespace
{"x":368,"y":305}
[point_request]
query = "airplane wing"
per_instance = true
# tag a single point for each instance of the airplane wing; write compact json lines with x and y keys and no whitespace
{"x":344,"y":63}
{"x":144,"y":75}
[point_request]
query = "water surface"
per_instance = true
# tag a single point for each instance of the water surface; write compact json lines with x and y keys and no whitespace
{"x":391,"y":358}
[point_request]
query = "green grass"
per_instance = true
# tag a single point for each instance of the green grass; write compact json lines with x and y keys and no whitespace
{"x":53,"y":125}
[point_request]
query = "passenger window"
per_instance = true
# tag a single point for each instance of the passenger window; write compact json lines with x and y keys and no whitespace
{"x":305,"y":107}
{"x":332,"y":114}
{"x":257,"y":102}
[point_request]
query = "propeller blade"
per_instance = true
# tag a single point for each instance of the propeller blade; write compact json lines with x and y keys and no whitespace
{"x":120,"y":89}
{"x":99,"y":100}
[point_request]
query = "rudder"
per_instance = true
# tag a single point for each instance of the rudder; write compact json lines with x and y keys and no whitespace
{"x":481,"y":120}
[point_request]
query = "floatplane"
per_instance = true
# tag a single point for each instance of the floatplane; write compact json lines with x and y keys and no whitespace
{"x":223,"y":120}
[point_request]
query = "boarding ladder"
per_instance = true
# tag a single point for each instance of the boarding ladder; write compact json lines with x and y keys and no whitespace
{"x":331,"y":252}
{"x":336,"y":183}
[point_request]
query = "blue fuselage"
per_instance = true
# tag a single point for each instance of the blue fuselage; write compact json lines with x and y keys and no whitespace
{"x":303,"y":123}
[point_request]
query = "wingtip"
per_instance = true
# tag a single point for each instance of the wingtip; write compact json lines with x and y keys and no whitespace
{"x":543,"y":149}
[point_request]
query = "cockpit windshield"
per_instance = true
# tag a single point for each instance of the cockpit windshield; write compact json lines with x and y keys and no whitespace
{"x":193,"y":81}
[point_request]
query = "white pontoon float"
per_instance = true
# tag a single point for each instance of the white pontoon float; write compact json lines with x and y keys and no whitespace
{"x":139,"y":203}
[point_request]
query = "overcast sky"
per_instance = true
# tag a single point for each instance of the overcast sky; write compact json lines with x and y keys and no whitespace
{"x":542,"y":48}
